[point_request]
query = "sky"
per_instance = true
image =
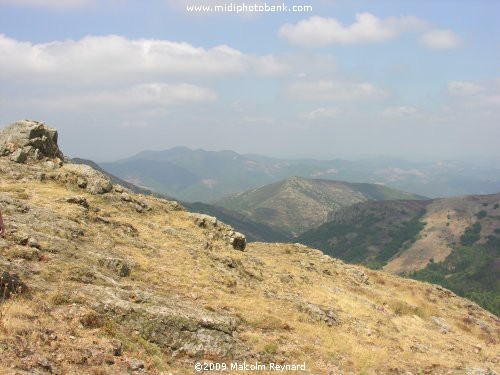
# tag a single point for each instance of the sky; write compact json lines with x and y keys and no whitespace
{"x":413,"y":79}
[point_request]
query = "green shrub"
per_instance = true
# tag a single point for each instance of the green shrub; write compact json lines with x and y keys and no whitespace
{"x":471,"y":234}
{"x":481,"y":214}
{"x":469,"y":271}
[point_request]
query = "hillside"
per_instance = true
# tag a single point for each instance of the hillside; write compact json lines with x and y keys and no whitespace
{"x":298,"y":204}
{"x":98,"y":279}
{"x":450,"y":241}
{"x":254,"y":231}
{"x":207,"y":176}
{"x":361,"y":233}
{"x":114,"y":179}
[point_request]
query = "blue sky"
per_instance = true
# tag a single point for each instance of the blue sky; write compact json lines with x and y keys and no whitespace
{"x":413,"y":79}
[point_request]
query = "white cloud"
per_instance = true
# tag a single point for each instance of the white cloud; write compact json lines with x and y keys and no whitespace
{"x":463,"y":88}
{"x":269,"y":65}
{"x":440,"y":39}
{"x":475,"y":95}
{"x":319,"y":31}
{"x":101,"y":59}
{"x":332,"y":90}
{"x":139,"y":97}
{"x":399,"y":112}
{"x":322,"y":114}
{"x":57,"y":4}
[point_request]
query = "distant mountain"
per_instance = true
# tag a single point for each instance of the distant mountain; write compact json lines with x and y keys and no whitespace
{"x":253,"y":231}
{"x":198,"y":175}
{"x":454,"y":242}
{"x":297,"y":204}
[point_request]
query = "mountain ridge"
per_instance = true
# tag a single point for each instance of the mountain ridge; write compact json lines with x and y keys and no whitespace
{"x":451,"y":241}
{"x":297,"y":204}
{"x":220,"y":173}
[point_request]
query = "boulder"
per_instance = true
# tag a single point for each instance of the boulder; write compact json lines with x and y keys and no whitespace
{"x":216,"y":229}
{"x":88,"y":178}
{"x":79,"y":200}
{"x":119,"y":266}
{"x":238,"y":241}
{"x":319,"y":313}
{"x":204,"y":221}
{"x":18,"y":156}
{"x":10,"y":284}
{"x":29,"y":140}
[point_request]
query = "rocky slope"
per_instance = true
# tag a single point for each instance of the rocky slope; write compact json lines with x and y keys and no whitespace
{"x":253,"y":230}
{"x":296,"y":205}
{"x":99,"y":280}
{"x":458,"y":238}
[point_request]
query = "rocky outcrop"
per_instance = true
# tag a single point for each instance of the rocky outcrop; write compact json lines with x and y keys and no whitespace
{"x":218,"y":230}
{"x":89,"y":179}
{"x":27,"y":140}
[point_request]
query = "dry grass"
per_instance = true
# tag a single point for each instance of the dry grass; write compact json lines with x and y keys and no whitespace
{"x":385,"y":324}
{"x":17,"y":317}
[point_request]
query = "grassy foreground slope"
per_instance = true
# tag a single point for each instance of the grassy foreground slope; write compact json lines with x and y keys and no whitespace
{"x":98,"y":279}
{"x":253,"y":230}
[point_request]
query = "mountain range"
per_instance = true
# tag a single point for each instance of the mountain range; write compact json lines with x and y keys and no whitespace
{"x":208,"y":176}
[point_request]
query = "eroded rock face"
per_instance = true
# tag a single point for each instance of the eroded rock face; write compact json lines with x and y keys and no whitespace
{"x":217,"y":230}
{"x":179,"y":328}
{"x":28,"y":140}
{"x":88,"y":178}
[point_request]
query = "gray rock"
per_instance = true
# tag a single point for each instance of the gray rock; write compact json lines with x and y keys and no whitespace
{"x":88,"y":178}
{"x":126,"y":197}
{"x":18,"y":156}
{"x":216,"y":229}
{"x":319,"y":313}
{"x":78,"y":199}
{"x":29,"y":140}
{"x":135,"y":364}
{"x":117,"y":348}
{"x":81,"y":182}
{"x":119,"y":266}
{"x":180,"y":328}
{"x":204,"y":221}
{"x":443,"y":325}
{"x":11,"y":284}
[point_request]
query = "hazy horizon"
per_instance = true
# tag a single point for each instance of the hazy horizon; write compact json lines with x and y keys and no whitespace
{"x":351,"y":79}
{"x":318,"y":156}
